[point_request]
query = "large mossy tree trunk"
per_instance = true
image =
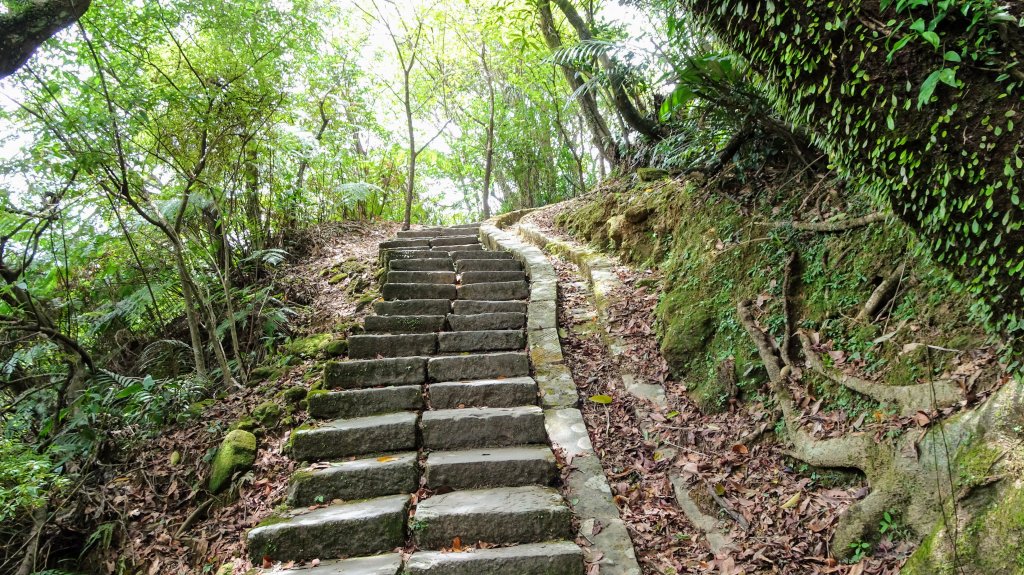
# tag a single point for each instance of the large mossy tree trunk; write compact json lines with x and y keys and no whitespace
{"x":926,"y":116}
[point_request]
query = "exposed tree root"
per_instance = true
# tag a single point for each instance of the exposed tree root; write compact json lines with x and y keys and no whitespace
{"x":836,"y":226}
{"x":910,"y":399}
{"x":882,"y":294}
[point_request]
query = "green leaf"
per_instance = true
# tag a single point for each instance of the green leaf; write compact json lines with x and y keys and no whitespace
{"x":602,"y":399}
{"x":931,"y":37}
{"x":951,"y":56}
{"x":948,"y":76}
{"x":928,"y":88}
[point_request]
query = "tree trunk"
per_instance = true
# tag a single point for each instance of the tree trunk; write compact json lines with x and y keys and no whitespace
{"x":410,"y":178}
{"x":25,"y":29}
{"x":191,"y":317}
{"x":489,"y":154}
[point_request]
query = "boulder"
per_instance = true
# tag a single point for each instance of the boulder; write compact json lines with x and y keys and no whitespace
{"x":237,"y":452}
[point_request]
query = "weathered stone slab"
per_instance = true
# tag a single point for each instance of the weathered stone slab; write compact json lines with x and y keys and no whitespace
{"x":482,"y":427}
{"x":365,"y":402}
{"x":494,"y":291}
{"x":454,"y":241}
{"x":468,"y":341}
{"x":542,"y":315}
{"x":472,"y":307}
{"x":487,"y":321}
{"x":440,"y":232}
{"x":491,"y":467}
{"x":404,"y":323}
{"x":510,"y":392}
{"x":461,"y":254}
{"x":403,"y":254}
{"x":464,"y":266}
{"x":360,"y":528}
{"x":358,"y":374}
{"x":557,"y":388}
{"x":545,"y":347}
{"x":403,"y":345}
{"x":492,"y":277}
{"x":501,"y":516}
{"x":357,"y":436}
{"x":419,"y":291}
{"x":413,"y":307}
{"x":558,"y":558}
{"x":390,"y":564}
{"x":478,"y":366}
{"x":358,"y":479}
{"x":431,"y":277}
{"x":422,"y":265}
{"x":405,"y":243}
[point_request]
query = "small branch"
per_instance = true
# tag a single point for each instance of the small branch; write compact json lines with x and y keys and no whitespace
{"x":835,"y":226}
{"x":193,"y":518}
{"x":739,"y":519}
{"x":882,"y":293}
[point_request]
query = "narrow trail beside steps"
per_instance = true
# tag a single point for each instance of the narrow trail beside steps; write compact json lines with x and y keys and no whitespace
{"x":430,"y":454}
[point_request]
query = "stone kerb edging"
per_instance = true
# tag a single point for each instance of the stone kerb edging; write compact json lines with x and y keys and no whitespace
{"x":586,"y":487}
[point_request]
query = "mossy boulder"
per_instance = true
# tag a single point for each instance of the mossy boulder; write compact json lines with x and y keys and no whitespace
{"x":651,"y":174}
{"x":237,"y":453}
{"x":268,"y":414}
{"x":310,"y":347}
{"x":245,"y":424}
{"x":294,"y":394}
{"x":685,"y":334}
{"x":336,"y":348}
{"x":265,"y":373}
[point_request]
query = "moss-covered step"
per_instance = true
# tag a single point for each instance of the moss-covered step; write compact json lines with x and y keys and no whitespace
{"x":359,"y":374}
{"x":491,"y":467}
{"x":483,"y":427}
{"x":421,"y":277}
{"x":487,"y":321}
{"x":492,"y":276}
{"x":395,"y":291}
{"x":555,"y":558}
{"x":421,"y":265}
{"x":478,"y":366}
{"x":469,"y":341}
{"x":390,"y":564}
{"x":463,"y":266}
{"x":494,"y":291}
{"x":439,"y":232}
{"x":421,"y":307}
{"x":501,"y":516}
{"x":358,"y":528}
{"x":399,"y":324}
{"x":365,"y":402}
{"x":405,"y":345}
{"x":356,"y":479}
{"x":464,"y":254}
{"x":508,"y":392}
{"x":454,"y":241}
{"x":472,"y":307}
{"x":356,"y":436}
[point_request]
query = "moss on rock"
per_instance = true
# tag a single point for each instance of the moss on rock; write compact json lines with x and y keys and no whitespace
{"x":237,"y":452}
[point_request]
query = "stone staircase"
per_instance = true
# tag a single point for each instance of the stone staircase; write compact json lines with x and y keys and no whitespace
{"x":436,"y":394}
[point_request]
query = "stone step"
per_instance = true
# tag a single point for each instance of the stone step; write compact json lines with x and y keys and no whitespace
{"x":358,"y":374}
{"x":432,"y":277}
{"x":405,"y":244}
{"x":355,"y":436}
{"x":357,"y":479}
{"x":365,"y":402}
{"x":475,"y":427}
{"x":478,"y":366}
{"x":421,"y":265}
{"x":463,"y":254}
{"x":492,"y":291}
{"x":500,"y":467}
{"x":469,"y":341}
{"x":404,"y":323}
{"x":419,"y":291}
{"x":390,"y":564}
{"x":359,"y":528}
{"x":488,"y":266}
{"x":403,"y":345}
{"x":500,"y":516}
{"x":491,"y":277}
{"x":405,"y":254}
{"x":486,"y":321}
{"x":439,"y":232}
{"x":413,"y":307}
{"x":554,"y":558}
{"x":471,"y":307}
{"x":510,"y":392}
{"x":454,"y":241}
